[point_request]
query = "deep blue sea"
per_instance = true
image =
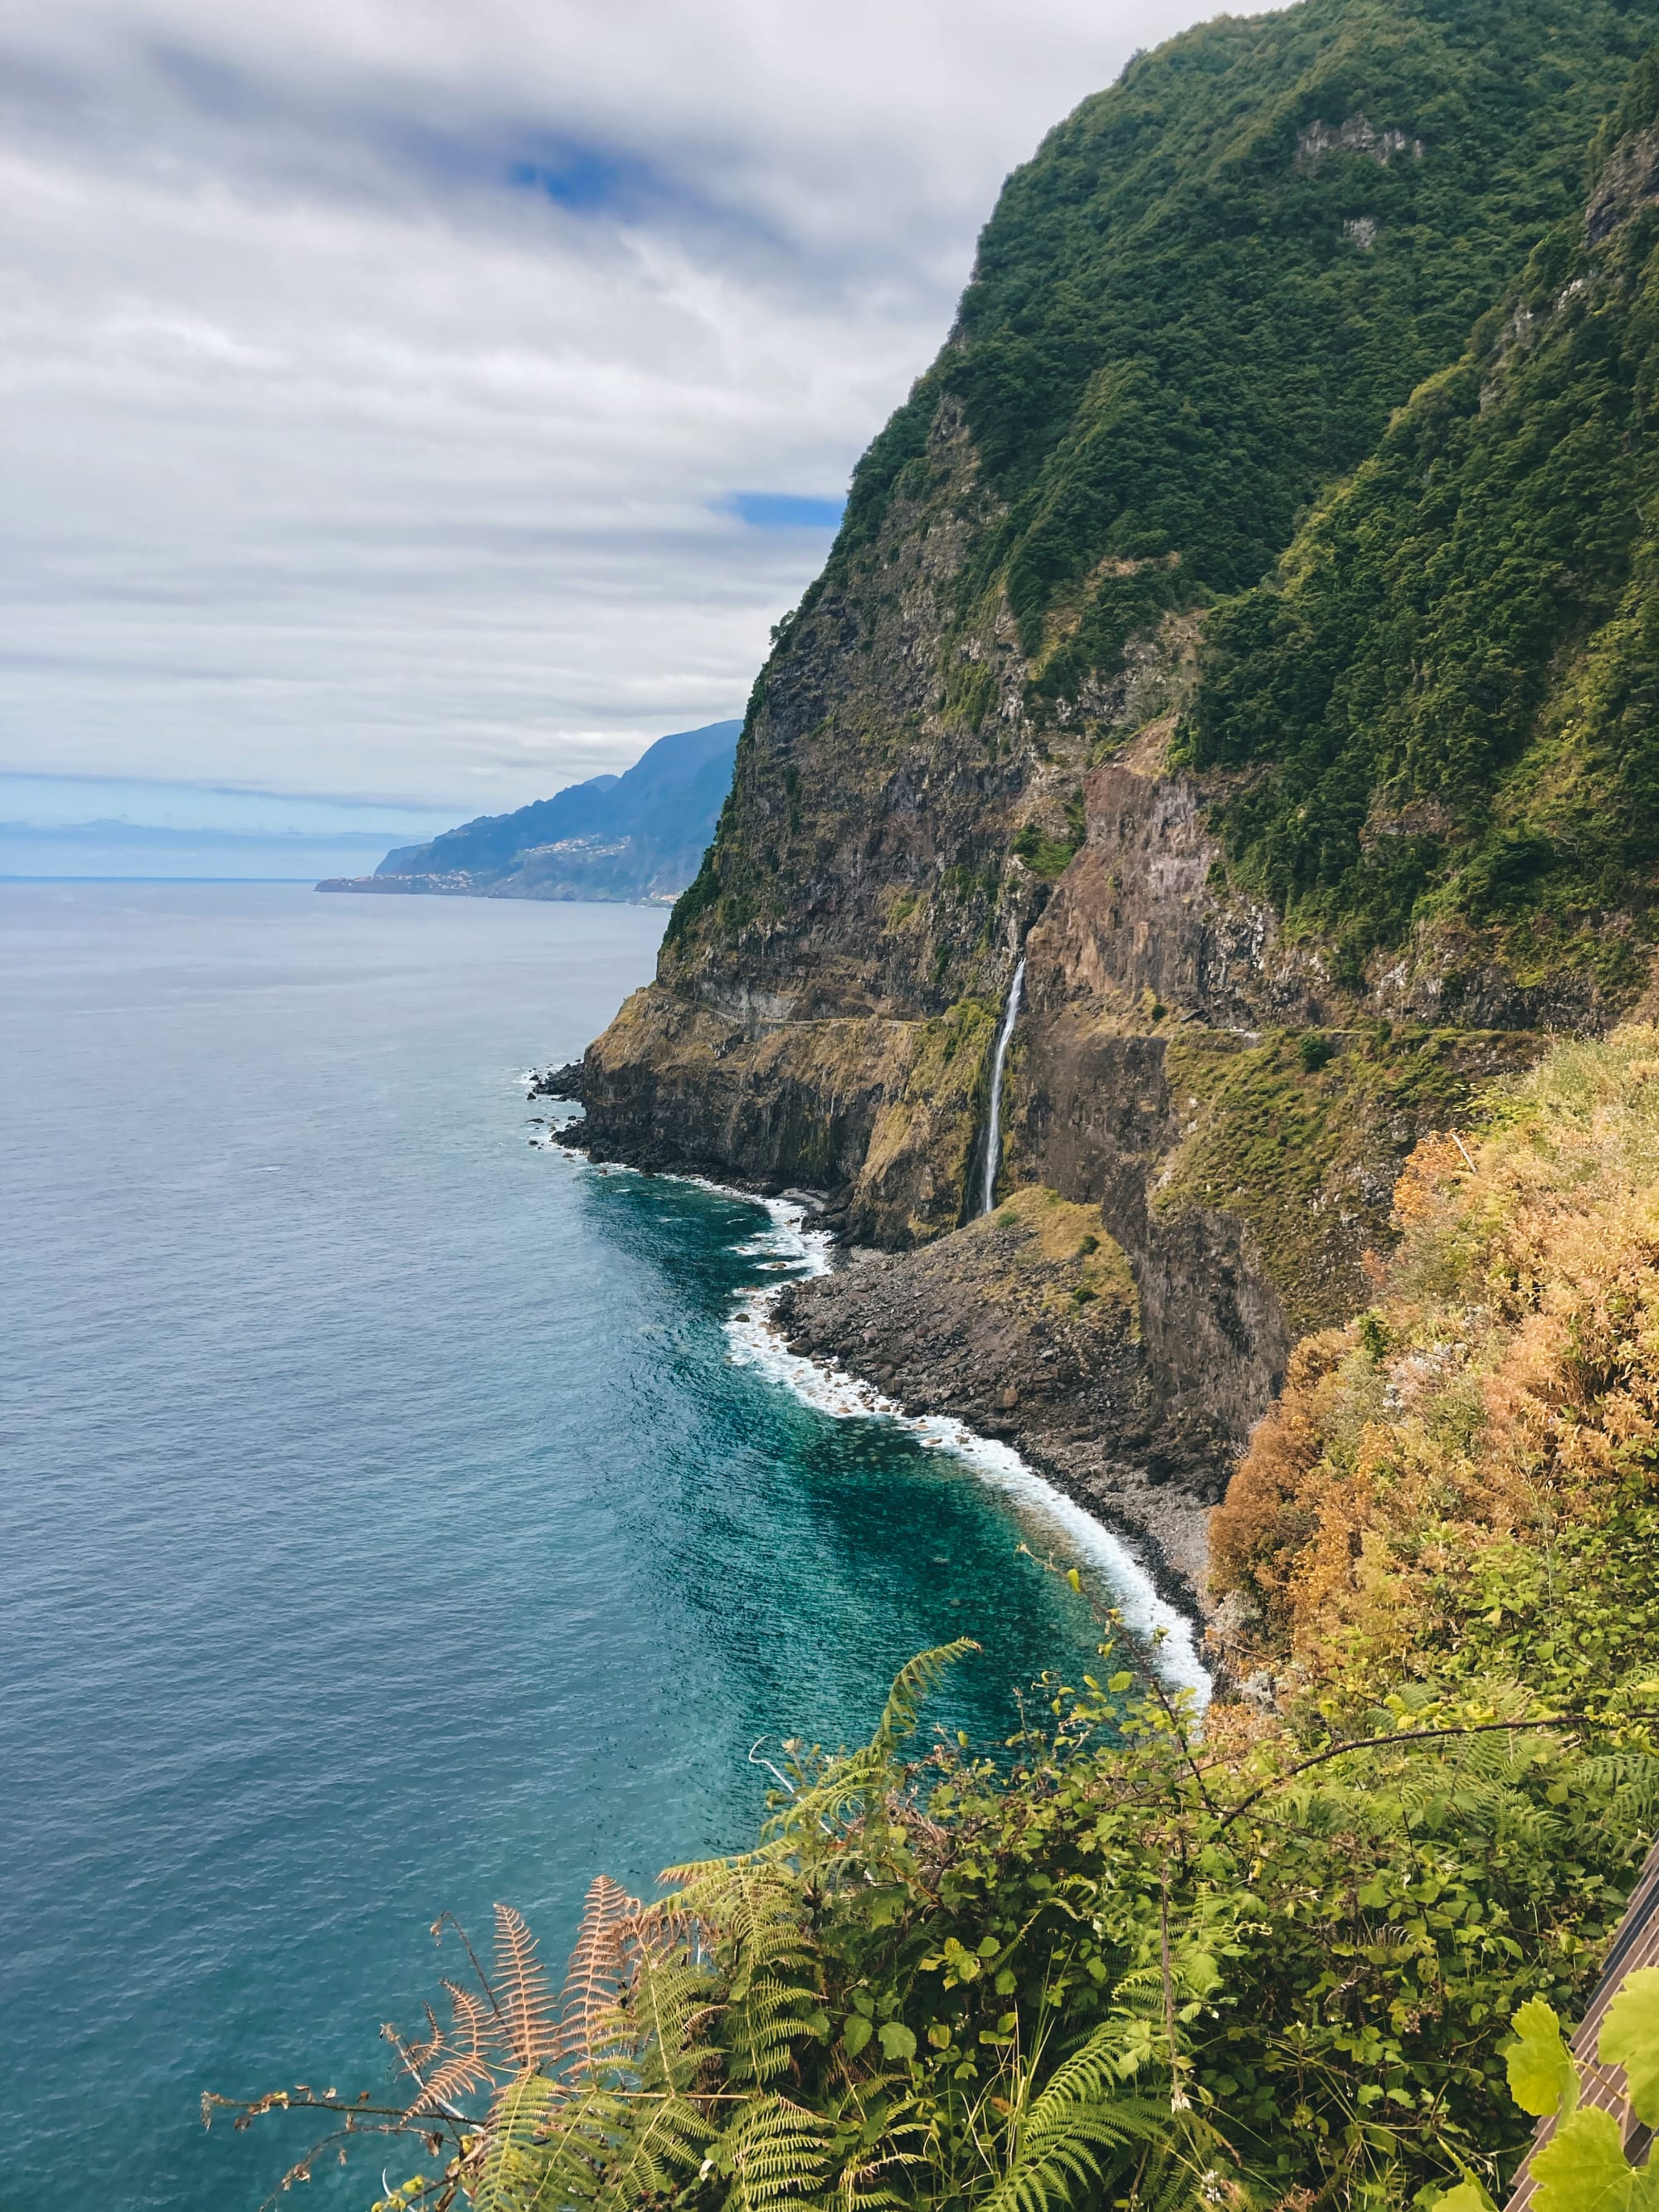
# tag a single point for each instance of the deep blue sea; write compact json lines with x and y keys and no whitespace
{"x":392,"y":1520}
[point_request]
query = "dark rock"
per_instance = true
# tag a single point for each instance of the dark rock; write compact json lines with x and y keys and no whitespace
{"x":561,"y":1083}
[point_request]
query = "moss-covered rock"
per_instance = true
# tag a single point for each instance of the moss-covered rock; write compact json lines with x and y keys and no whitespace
{"x":1307,"y":1153}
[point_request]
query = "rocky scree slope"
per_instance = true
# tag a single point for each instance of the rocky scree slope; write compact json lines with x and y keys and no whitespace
{"x":1032,"y":699}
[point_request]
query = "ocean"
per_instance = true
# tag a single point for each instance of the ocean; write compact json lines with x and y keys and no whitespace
{"x":399,"y":1513}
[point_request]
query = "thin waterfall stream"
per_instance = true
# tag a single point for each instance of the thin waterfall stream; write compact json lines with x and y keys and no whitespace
{"x":993,"y":1126}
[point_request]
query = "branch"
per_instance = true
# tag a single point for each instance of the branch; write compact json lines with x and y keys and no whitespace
{"x":484,"y":1982}
{"x":1413,"y":1735}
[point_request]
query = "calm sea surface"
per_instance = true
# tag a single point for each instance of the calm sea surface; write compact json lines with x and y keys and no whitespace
{"x":387,"y":1525}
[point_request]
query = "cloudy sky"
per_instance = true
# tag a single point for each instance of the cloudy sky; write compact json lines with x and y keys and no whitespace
{"x":419,"y":404}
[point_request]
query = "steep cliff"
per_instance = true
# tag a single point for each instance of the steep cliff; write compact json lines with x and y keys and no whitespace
{"x":1039,"y":696}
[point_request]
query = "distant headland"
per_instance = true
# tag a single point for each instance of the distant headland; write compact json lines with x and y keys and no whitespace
{"x":639,"y":835}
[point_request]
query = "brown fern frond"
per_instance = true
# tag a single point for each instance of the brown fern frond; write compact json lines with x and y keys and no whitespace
{"x":465,"y":2054}
{"x":611,"y":1924}
{"x":660,"y":1927}
{"x":473,"y":2020}
{"x":521,"y":1991}
{"x":419,"y":2056}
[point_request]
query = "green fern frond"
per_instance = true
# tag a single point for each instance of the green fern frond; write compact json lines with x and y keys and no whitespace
{"x":669,"y":2001}
{"x":1078,"y":2126}
{"x":776,"y":2153}
{"x":516,"y":2154}
{"x":764,"y":2022}
{"x":912,"y":1685}
{"x":665,"y":2141}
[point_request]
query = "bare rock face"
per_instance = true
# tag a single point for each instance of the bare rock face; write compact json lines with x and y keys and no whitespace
{"x":1238,"y":1119}
{"x":1136,"y":922}
{"x":878,"y":1113}
{"x":862,"y":866}
{"x":825,"y":1017}
{"x":1233,"y":1118}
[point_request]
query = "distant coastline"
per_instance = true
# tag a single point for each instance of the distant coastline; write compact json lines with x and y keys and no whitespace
{"x":637,"y":839}
{"x":458,"y":885}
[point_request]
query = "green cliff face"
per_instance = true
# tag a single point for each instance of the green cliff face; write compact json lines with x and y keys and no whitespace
{"x":1446,"y":700}
{"x":1170,"y":636}
{"x":1191,"y":312}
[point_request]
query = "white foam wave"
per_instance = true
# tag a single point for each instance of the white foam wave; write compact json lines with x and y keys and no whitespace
{"x":1053,"y":1521}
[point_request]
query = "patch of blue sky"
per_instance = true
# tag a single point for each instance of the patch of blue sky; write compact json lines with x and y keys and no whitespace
{"x":586,"y":180}
{"x":784,"y":510}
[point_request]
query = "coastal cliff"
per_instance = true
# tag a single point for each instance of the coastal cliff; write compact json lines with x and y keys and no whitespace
{"x":1249,"y":618}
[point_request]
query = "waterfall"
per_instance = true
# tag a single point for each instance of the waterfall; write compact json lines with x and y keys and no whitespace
{"x":993,"y":1126}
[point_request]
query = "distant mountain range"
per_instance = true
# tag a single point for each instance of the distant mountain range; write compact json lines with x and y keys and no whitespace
{"x":639,"y":836}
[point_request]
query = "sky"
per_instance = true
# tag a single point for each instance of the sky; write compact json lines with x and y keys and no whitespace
{"x":413,"y":406}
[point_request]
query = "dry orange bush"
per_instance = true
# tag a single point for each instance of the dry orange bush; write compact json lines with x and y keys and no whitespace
{"x":1504,"y":1383}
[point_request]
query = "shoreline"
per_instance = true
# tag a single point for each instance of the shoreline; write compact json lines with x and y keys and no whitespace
{"x":1150,"y":1595}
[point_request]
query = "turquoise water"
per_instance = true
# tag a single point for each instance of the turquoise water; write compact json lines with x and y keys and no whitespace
{"x":387,"y":1525}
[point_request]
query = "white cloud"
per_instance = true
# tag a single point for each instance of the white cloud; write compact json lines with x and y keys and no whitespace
{"x":343,"y":457}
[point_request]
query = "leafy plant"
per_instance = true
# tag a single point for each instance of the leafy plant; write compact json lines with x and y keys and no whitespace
{"x":1123,"y":1963}
{"x":1582,"y":2166}
{"x":1463,"y":1480}
{"x":1044,"y":855}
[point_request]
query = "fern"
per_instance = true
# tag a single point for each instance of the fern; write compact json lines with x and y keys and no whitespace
{"x":1024,"y":1995}
{"x":513,"y":2160}
{"x":775,"y":2153}
{"x":522,"y":1995}
{"x":665,"y":2139}
{"x":464,"y":2064}
{"x":912,"y":1685}
{"x":587,"y":2030}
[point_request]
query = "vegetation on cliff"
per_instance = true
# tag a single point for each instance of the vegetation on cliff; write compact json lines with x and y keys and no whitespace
{"x":1298,"y":1134}
{"x":1269,"y":1965}
{"x":1446,"y":696}
{"x":1270,"y":1959}
{"x":1196,"y":306}
{"x":1191,"y":312}
{"x":1462,"y":1478}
